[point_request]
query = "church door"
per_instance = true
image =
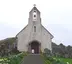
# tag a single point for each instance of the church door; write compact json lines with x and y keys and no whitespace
{"x":35,"y":47}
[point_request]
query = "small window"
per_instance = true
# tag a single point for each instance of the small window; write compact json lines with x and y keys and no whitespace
{"x":34,"y":10}
{"x":34,"y":28}
{"x":34,"y":15}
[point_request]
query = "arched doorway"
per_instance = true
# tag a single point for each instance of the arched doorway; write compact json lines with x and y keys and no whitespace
{"x":35,"y":45}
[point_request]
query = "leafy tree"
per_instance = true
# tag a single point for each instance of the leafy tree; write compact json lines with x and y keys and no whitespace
{"x":62,"y":50}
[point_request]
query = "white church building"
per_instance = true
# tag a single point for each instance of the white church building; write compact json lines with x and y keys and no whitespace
{"x":34,"y":36}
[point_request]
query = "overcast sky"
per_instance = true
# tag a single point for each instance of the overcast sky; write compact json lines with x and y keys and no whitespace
{"x":56,"y":17}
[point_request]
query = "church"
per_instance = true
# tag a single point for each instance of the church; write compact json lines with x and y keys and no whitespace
{"x":34,"y":36}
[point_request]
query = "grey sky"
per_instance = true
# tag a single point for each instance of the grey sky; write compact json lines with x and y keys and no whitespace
{"x":56,"y":16}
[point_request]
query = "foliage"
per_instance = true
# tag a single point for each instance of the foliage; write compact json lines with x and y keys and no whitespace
{"x":45,"y":60}
{"x":62,"y":50}
{"x":47,"y":53}
{"x":65,"y":60}
{"x":8,"y":47}
{"x":49,"y":58}
{"x":13,"y":59}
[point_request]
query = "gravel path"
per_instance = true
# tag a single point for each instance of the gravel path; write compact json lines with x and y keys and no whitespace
{"x":33,"y":59}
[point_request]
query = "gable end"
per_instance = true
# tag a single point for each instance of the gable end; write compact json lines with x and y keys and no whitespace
{"x":22,"y":30}
{"x":48,"y":32}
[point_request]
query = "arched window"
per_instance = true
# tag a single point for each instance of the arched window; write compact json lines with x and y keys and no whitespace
{"x":34,"y":28}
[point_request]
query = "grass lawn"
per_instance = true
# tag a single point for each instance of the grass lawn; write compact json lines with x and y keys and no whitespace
{"x":66,"y":60}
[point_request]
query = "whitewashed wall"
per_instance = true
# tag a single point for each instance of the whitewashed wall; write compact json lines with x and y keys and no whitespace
{"x":27,"y":34}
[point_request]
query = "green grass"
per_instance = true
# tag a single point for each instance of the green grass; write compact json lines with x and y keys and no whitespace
{"x":65,"y":60}
{"x":45,"y":60}
{"x":57,"y":59}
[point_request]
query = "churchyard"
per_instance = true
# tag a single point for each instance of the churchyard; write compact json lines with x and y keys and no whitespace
{"x":34,"y":39}
{"x":16,"y":58}
{"x":47,"y":57}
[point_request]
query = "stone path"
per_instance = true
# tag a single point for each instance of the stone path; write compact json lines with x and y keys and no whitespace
{"x":33,"y":59}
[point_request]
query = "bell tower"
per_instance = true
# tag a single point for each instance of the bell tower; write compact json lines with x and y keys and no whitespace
{"x":34,"y":16}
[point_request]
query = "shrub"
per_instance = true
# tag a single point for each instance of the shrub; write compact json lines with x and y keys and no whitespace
{"x":13,"y":59}
{"x":46,"y":50}
{"x":47,"y":53}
